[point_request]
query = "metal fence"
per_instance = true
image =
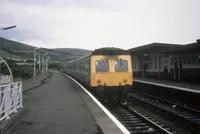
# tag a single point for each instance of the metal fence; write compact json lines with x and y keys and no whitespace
{"x":10,"y":99}
{"x":5,"y":79}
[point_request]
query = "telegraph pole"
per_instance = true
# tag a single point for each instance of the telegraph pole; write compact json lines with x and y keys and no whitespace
{"x":34,"y":60}
{"x":39,"y":62}
{"x":47,"y":63}
{"x":43,"y":62}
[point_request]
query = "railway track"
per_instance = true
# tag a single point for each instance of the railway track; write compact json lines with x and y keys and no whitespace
{"x":183,"y":112}
{"x":137,"y":122}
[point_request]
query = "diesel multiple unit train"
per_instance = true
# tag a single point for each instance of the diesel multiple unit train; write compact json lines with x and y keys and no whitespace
{"x":107,"y":72}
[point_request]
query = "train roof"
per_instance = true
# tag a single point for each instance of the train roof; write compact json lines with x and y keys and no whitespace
{"x":87,"y":55}
{"x":110,"y":51}
{"x":104,"y":51}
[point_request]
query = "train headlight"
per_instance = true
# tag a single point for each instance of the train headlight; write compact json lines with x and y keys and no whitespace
{"x":125,"y":80}
{"x":98,"y":81}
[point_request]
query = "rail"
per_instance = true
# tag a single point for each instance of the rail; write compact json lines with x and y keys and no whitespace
{"x":5,"y":79}
{"x":189,"y":114}
{"x":137,"y":122}
{"x":10,"y":99}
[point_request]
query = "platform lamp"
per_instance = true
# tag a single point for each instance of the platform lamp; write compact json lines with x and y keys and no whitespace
{"x":48,"y":58}
{"x":34,"y":60}
{"x":43,"y":61}
{"x":7,"y":28}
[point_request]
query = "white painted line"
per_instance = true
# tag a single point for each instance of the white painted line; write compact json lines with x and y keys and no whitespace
{"x":121,"y":127}
{"x":169,"y":86}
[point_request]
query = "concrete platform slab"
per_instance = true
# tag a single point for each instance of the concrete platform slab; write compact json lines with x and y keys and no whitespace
{"x":57,"y":106}
{"x":170,"y":84}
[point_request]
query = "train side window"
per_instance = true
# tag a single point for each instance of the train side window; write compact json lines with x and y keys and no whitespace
{"x":189,"y":61}
{"x":102,"y":66}
{"x":79,"y":66}
{"x":193,"y":60}
{"x":184,"y":62}
{"x":82,"y":67}
{"x":85,"y":65}
{"x":121,"y":65}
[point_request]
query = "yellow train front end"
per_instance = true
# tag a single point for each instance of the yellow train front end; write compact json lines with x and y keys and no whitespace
{"x":111,"y":76}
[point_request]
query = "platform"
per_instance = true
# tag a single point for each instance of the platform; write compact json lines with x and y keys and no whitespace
{"x":55,"y":106}
{"x":169,"y":84}
{"x":182,"y":93}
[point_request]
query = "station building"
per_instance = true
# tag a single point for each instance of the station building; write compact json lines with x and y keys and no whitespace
{"x":167,"y":61}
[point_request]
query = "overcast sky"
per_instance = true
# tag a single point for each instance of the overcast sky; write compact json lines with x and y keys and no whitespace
{"x":92,"y":24}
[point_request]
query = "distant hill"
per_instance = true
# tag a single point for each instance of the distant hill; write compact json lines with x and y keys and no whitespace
{"x":74,"y":51}
{"x":19,"y":51}
{"x":9,"y":55}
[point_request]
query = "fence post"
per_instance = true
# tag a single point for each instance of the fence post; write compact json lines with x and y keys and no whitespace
{"x":10,"y":99}
{"x":7,"y":102}
{"x":1,"y":79}
{"x":2,"y":102}
{"x":19,"y":85}
{"x":9,"y":79}
{"x":15,"y":97}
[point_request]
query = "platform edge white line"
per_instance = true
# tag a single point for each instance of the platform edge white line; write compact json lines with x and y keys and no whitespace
{"x":168,"y":86}
{"x":120,"y":126}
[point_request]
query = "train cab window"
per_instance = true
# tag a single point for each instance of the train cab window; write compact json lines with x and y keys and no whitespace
{"x":102,"y":66}
{"x":121,"y":65}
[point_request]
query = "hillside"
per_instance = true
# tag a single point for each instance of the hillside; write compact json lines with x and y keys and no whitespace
{"x":19,"y":51}
{"x":74,"y":51}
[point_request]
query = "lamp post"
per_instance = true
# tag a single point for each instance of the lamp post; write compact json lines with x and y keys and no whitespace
{"x":35,"y":60}
{"x":43,"y":61}
{"x":39,"y":62}
{"x":48,"y":58}
{"x":7,"y":28}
